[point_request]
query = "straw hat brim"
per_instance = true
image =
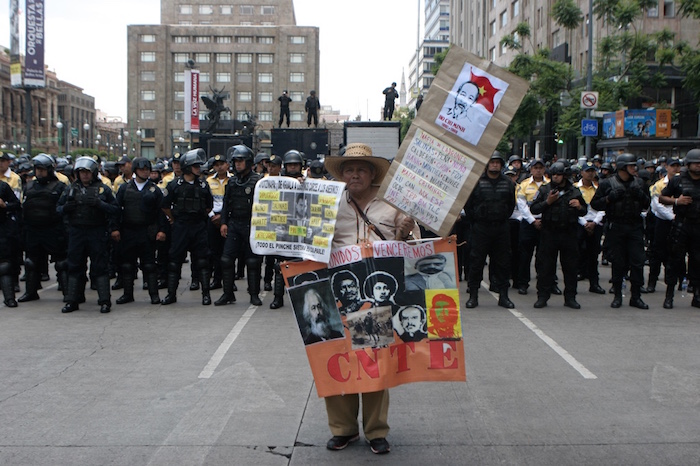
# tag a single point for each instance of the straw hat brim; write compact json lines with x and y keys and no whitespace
{"x":334,"y":166}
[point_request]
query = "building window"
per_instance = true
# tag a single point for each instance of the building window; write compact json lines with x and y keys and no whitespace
{"x":185,"y":9}
{"x":515,"y":8}
{"x":148,"y":114}
{"x":556,"y":39}
{"x":148,"y":57}
{"x":181,"y":39}
{"x":223,"y":77}
{"x":204,"y":77}
{"x":184,"y":22}
{"x":206,"y":10}
{"x":653,"y":12}
{"x":244,"y":58}
{"x":179,"y":115}
{"x":265,"y":77}
{"x":265,"y":116}
{"x":265,"y":58}
{"x":244,"y":96}
{"x":266,"y":40}
{"x":242,"y":115}
{"x":267,"y":23}
{"x":297,"y":57}
{"x":297,"y":40}
{"x":492,"y":54}
{"x":669,"y":9}
{"x":296,"y":77}
{"x":492,"y":28}
{"x":267,"y":10}
{"x":222,"y":39}
{"x":148,"y":76}
{"x":503,"y":49}
{"x":244,"y":40}
{"x":201,"y":57}
{"x":223,"y":58}
{"x":179,"y":77}
{"x":244,"y":77}
{"x":148,"y":95}
{"x":297,"y":96}
{"x":226,"y":9}
{"x":297,"y":116}
{"x":504,"y":18}
{"x":181,"y":57}
{"x":179,"y":96}
{"x":202,"y":39}
{"x":147,"y":38}
{"x":264,"y":96}
{"x":247,"y":10}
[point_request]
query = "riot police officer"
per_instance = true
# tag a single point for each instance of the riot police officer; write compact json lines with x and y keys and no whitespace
{"x":561,"y":204}
{"x":293,"y":164}
{"x":187,"y":202}
{"x":683,"y":193}
{"x":236,"y":213}
{"x":43,"y":229}
{"x":623,"y":198}
{"x":89,"y":207}
{"x":140,"y":225}
{"x":489,"y":206}
{"x":9,"y":241}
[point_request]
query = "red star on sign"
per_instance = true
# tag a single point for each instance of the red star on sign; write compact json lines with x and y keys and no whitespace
{"x":486,"y":91}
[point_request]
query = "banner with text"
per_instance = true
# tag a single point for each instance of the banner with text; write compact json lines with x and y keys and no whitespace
{"x":293,"y":218}
{"x":34,"y":73}
{"x":379,"y":315}
{"x":462,"y":120}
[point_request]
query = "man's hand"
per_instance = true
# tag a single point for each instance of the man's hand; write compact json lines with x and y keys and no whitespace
{"x":683,"y":200}
{"x":224,"y":230}
{"x":575,"y":203}
{"x":116,"y":236}
{"x":537,"y":224}
{"x":216,"y":219}
{"x":161,"y":236}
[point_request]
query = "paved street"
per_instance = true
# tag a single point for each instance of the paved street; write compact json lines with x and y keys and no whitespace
{"x":188,"y":385}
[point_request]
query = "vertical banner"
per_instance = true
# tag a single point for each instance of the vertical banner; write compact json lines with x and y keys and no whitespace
{"x":467,"y":111}
{"x":192,"y":101}
{"x":34,"y":74}
{"x":15,"y":64}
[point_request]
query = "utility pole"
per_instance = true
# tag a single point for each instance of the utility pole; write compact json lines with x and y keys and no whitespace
{"x":589,"y":71}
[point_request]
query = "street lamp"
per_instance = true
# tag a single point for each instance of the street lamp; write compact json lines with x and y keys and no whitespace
{"x":59,"y":125}
{"x":86,"y":127}
{"x":138,"y":138}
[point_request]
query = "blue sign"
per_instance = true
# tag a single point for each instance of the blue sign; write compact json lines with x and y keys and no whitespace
{"x":589,"y":127}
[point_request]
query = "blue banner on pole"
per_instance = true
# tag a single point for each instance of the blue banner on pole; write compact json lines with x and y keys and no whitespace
{"x":589,"y":127}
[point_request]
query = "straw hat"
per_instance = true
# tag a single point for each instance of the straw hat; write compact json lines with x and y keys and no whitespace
{"x":361,"y":152}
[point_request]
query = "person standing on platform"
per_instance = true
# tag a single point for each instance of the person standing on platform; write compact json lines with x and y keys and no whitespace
{"x":284,"y":100}
{"x":390,"y":96}
{"x":312,"y":106}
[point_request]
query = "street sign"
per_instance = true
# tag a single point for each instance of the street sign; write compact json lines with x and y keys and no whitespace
{"x":589,"y":127}
{"x":589,"y":100}
{"x":74,"y":132}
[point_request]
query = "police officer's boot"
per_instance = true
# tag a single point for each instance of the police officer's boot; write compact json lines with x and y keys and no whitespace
{"x":173,"y":281}
{"x":194,"y":284}
{"x":204,"y":277}
{"x":150,"y":274}
{"x":72,"y":290}
{"x":62,"y":275}
{"x":278,"y":302}
{"x":617,"y":300}
{"x":668,"y":300}
{"x":227,"y":275}
{"x":541,"y":301}
{"x":127,"y":277}
{"x":8,"y":285}
{"x":32,"y":282}
{"x":696,"y":298}
{"x":636,"y":298}
{"x":473,"y":300}
{"x":503,"y":299}
{"x":103,"y":295}
{"x":253,"y":275}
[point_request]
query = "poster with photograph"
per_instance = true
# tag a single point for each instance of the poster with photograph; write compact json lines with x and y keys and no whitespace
{"x":293,"y":218}
{"x":470,"y":104}
{"x":397,"y":307}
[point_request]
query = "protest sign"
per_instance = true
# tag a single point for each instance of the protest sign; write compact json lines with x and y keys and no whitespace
{"x":379,"y":315}
{"x":293,"y":218}
{"x":460,"y":123}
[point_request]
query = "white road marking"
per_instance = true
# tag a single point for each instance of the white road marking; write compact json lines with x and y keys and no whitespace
{"x":565,"y":355}
{"x":225,"y":345}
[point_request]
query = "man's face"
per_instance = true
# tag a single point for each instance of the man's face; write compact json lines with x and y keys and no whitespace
{"x":143,"y":173}
{"x":494,"y":166}
{"x":85,"y":176}
{"x":673,"y":169}
{"x":431,"y":265}
{"x":517,"y":164}
{"x":466,"y":97}
{"x":411,"y":320}
{"x":694,"y":168}
{"x":588,"y":175}
{"x":221,"y":168}
{"x":349,"y":291}
{"x":292,"y":169}
{"x":126,"y":169}
{"x":196,"y":170}
{"x":558,"y":180}
{"x":274,"y":169}
{"x":41,"y":172}
{"x":537,"y":171}
{"x":358,"y":176}
{"x":177,"y":169}
{"x":154,"y":176}
{"x":4,"y":165}
{"x":239,"y":166}
{"x":301,"y":207}
{"x":316,"y":311}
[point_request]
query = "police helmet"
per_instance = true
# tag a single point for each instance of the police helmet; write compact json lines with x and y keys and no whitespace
{"x":159,"y":167}
{"x":624,"y":160}
{"x":558,"y":168}
{"x":192,"y":158}
{"x":497,"y":156}
{"x":141,"y":162}
{"x":86,"y":163}
{"x":693,"y":156}
{"x":111,"y":168}
{"x":240,"y":152}
{"x":43,"y":161}
{"x":514,"y":158}
{"x":261,"y":157}
{"x":316,"y":169}
{"x":293,"y":156}
{"x":649,"y":164}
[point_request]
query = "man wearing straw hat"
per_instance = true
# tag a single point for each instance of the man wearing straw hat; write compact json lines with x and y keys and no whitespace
{"x":362,"y":217}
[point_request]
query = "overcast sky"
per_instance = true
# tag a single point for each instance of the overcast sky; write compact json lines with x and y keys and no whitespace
{"x":365,"y":45}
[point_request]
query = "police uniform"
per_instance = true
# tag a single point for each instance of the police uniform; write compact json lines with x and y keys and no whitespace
{"x":236,"y":213}
{"x":90,"y":211}
{"x":43,"y":228}
{"x":9,"y":242}
{"x":216,"y":242}
{"x":559,"y":223}
{"x":623,"y":202}
{"x":189,"y":203}
{"x":140,"y":221}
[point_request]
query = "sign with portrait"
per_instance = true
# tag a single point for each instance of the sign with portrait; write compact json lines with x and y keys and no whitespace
{"x":379,"y":315}
{"x":293,"y":218}
{"x":449,"y":143}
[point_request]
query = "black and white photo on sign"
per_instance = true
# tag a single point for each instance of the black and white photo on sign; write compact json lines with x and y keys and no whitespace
{"x":347,"y":289}
{"x":411,"y":323}
{"x":371,"y":328}
{"x":434,"y":272}
{"x":380,"y":288}
{"x":316,"y":312}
